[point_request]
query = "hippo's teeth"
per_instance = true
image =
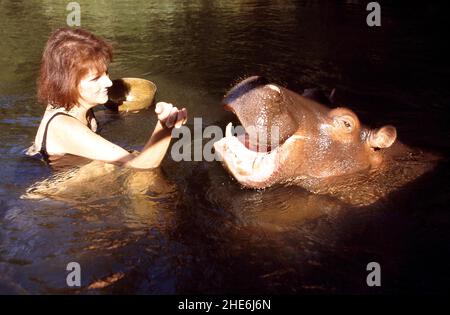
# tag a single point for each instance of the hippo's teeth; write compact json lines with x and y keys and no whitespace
{"x":228,"y":130}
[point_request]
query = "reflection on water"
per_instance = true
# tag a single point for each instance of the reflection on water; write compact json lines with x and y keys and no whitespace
{"x":189,"y":227}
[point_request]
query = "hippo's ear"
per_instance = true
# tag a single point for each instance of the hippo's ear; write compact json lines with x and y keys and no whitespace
{"x":383,"y":137}
{"x":344,"y":120}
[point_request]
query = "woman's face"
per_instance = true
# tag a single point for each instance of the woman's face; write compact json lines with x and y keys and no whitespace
{"x":93,"y":88}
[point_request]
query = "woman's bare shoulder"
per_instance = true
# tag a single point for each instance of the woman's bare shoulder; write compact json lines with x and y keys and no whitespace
{"x":63,"y":131}
{"x":36,"y":146}
{"x":64,"y":127}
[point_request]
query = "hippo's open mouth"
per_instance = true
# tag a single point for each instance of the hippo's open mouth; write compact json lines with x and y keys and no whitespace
{"x":249,"y":166}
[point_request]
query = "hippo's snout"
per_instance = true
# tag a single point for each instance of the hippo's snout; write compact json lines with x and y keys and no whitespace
{"x":244,"y":87}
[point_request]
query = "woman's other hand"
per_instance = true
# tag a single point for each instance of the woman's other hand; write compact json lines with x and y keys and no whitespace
{"x":170,"y":116}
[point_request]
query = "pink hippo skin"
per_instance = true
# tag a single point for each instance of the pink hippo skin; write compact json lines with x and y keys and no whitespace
{"x":314,"y":142}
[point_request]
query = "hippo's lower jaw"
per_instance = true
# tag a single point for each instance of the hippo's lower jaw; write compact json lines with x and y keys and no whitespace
{"x":250,"y":168}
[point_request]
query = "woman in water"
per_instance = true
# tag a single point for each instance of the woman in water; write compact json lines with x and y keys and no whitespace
{"x":74,"y":79}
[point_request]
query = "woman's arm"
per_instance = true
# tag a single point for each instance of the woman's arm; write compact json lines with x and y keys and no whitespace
{"x":154,"y":151}
{"x":156,"y":147}
{"x":69,"y":135}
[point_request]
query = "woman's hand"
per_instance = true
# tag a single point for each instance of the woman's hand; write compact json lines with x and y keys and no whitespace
{"x":170,"y":116}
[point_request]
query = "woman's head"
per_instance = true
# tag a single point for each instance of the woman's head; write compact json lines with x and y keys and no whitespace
{"x":74,"y":69}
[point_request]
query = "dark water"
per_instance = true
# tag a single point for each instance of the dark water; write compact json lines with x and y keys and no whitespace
{"x":189,"y":227}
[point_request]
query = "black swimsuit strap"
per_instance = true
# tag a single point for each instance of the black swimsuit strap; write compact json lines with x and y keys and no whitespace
{"x":90,"y":115}
{"x":43,"y":150}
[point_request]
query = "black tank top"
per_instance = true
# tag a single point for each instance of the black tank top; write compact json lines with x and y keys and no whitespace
{"x":69,"y":159}
{"x":43,"y":150}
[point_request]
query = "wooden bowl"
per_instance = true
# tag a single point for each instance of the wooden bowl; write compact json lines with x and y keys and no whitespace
{"x":130,"y":94}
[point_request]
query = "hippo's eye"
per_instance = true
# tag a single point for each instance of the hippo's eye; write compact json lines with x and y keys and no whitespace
{"x":344,"y":123}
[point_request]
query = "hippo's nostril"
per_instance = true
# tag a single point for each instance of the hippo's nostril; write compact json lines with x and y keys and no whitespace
{"x":228,"y":107}
{"x":274,"y":88}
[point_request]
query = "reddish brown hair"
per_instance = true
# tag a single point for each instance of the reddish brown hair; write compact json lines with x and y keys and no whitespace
{"x":68,"y":56}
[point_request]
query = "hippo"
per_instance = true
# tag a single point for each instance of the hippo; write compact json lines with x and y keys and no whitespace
{"x":313,"y":141}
